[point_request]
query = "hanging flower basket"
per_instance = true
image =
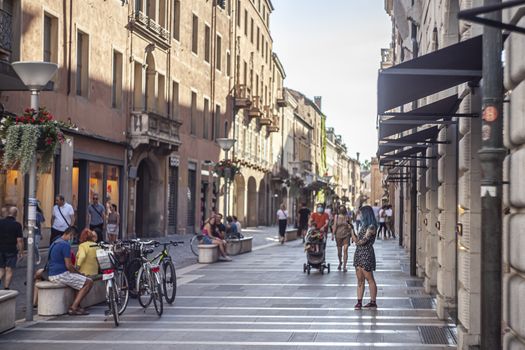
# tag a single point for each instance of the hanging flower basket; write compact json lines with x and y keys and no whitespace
{"x":33,"y":133}
{"x":227,"y":169}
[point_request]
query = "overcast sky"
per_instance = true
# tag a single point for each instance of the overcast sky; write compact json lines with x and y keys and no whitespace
{"x":331,"y":48}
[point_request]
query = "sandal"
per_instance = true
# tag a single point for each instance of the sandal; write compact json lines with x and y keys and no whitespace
{"x":371,"y":305}
{"x":358,"y":306}
{"x":77,"y":312}
{"x":339,"y":267}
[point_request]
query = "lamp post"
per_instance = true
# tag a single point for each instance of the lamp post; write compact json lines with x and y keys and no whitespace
{"x":35,"y":75}
{"x":226,"y":144}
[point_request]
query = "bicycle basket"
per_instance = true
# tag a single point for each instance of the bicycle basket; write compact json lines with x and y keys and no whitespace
{"x":105,"y":262}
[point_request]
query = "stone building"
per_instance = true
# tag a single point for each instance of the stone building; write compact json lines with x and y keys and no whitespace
{"x":434,"y":161}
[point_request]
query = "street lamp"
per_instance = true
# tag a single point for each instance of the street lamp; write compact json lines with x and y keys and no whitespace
{"x":35,"y":75}
{"x":226,"y":144}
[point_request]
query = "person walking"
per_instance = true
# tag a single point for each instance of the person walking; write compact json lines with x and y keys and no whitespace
{"x":376,"y":208}
{"x":97,"y":216}
{"x":302,"y":218}
{"x":341,"y":231}
{"x":282,"y":221}
{"x":365,"y":259}
{"x":113,"y":222}
{"x":382,"y":223}
{"x":390,"y":221}
{"x":11,"y":245}
{"x":38,"y":232}
{"x":320,"y":218}
{"x":63,"y":218}
{"x":358,"y":219}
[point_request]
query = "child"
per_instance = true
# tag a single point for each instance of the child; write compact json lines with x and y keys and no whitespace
{"x":314,"y":237}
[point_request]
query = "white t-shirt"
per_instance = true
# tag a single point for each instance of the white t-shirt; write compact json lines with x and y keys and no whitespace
{"x":69,"y":213}
{"x":382,"y":215}
{"x":239,"y":227}
{"x":282,"y":215}
{"x":388,"y":212}
{"x":376,"y":211}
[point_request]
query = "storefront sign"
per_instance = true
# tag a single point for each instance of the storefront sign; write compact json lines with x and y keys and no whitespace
{"x":174,"y":161}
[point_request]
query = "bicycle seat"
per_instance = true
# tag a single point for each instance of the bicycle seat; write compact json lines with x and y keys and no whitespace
{"x":148,"y":251}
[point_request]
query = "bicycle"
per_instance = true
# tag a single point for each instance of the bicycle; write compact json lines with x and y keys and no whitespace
{"x":115,"y":279}
{"x":149,"y":281}
{"x":194,"y":243}
{"x":169,"y":276}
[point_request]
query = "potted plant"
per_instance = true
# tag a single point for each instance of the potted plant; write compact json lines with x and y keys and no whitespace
{"x":227,"y":168}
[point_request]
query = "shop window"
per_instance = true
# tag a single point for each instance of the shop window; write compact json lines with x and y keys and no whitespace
{"x":96,"y":179}
{"x":112,"y":185}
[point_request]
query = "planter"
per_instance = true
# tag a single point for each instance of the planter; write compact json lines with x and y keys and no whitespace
{"x":7,"y":309}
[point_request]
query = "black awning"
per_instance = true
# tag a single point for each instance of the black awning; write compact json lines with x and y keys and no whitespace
{"x":9,"y":80}
{"x":414,"y":141}
{"x":429,"y":113}
{"x":429,"y":74}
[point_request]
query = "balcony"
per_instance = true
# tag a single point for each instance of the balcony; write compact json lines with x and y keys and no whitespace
{"x":266,"y":117}
{"x":281,"y":100}
{"x":148,"y":27}
{"x":255,"y":109}
{"x":274,"y":127}
{"x":242,"y":97}
{"x":149,"y":128}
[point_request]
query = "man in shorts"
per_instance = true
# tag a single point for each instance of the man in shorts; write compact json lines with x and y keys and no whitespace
{"x":61,"y":270}
{"x":302,"y":218}
{"x":11,"y":245}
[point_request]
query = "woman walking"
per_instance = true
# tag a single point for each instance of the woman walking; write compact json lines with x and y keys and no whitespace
{"x":364,"y":257}
{"x":341,"y":231}
{"x":113,"y":220}
{"x":282,"y":220}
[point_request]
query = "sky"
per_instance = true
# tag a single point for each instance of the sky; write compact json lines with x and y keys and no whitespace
{"x":331,"y":48}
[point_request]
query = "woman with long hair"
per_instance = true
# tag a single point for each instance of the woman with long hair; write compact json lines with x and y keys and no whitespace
{"x":341,"y":231}
{"x":208,"y":238}
{"x":364,"y":257}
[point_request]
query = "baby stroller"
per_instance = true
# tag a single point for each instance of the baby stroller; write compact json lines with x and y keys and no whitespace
{"x":315,"y":248}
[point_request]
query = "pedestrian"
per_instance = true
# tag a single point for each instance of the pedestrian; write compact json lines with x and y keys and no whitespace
{"x":320,"y":218}
{"x":238,"y":224}
{"x":97,"y":216}
{"x":328,"y":210}
{"x":38,"y":232}
{"x":358,"y":219}
{"x":382,"y":222}
{"x":11,"y":245}
{"x":113,"y":222}
{"x":282,"y":221}
{"x":208,"y":238}
{"x":376,"y":209}
{"x":219,"y":229}
{"x":86,"y":258}
{"x":365,"y":259}
{"x":231,"y":228}
{"x":302,"y":218}
{"x":63,"y":218}
{"x":390,"y":221}
{"x":341,"y":231}
{"x":62,"y":270}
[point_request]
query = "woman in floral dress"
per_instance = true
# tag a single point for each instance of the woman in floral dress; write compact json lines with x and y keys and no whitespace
{"x":364,"y":257}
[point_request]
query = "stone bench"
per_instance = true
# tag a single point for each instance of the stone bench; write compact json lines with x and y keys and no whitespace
{"x":7,"y":309}
{"x":208,"y":253}
{"x":55,"y":298}
{"x":245,"y":246}
{"x":290,"y":234}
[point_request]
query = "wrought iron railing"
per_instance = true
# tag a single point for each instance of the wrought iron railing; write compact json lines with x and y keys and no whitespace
{"x":6,"y":31}
{"x":146,"y":22}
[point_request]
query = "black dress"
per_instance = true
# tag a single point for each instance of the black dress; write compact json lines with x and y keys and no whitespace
{"x":364,"y":255}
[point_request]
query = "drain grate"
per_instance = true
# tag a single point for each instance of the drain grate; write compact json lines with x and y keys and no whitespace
{"x":437,"y":335}
{"x":422,"y":303}
{"x":414,"y":283}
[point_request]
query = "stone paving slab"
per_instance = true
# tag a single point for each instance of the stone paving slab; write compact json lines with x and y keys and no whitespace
{"x":261,"y":300}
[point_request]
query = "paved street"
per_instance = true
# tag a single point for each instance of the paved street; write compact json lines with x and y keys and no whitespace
{"x":261,"y":300}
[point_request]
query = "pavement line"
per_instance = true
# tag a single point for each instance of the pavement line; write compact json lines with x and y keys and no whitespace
{"x":261,"y":323}
{"x":285,"y":298}
{"x":292,"y":284}
{"x":216,"y":330}
{"x":254,"y":249}
{"x":356,"y":317}
{"x":227,"y":343}
{"x":210,"y":268}
{"x":273,"y":308}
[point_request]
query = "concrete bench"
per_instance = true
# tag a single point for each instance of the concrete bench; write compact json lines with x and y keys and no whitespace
{"x":7,"y":309}
{"x":290,"y":234}
{"x":208,"y":253}
{"x":55,"y":298}
{"x":232,"y":247}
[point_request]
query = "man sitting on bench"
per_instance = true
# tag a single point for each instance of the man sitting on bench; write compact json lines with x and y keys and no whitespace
{"x":61,"y":270}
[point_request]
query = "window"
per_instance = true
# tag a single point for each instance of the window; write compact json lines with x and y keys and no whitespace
{"x":258,"y":38}
{"x":137,"y":87}
{"x":82,"y":63}
{"x":246,"y":22}
{"x":207,"y":33}
{"x":219,"y":53}
{"x":175,"y":101}
{"x":161,"y":95}
{"x":228,"y":64}
{"x":176,"y":20}
{"x":50,"y":39}
{"x":256,"y":84}
{"x":238,"y":13}
{"x":193,"y":116}
{"x":116,"y":91}
{"x":217,"y":121}
{"x":195,"y":35}
{"x":245,"y":72}
{"x":251,"y":30}
{"x":205,"y":118}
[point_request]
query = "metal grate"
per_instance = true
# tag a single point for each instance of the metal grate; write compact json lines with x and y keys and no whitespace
{"x":414,"y":283}
{"x":422,"y":303}
{"x":437,"y":335}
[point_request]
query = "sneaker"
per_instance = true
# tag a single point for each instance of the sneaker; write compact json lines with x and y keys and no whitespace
{"x":371,"y":305}
{"x":227,"y":258}
{"x":38,"y":261}
{"x":358,"y":306}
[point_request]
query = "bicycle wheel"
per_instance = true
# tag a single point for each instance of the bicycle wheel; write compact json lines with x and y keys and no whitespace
{"x":144,"y":293}
{"x":131,"y":270}
{"x":123,"y":291}
{"x":169,"y":281}
{"x":113,"y":308}
{"x":233,"y":245}
{"x":194,"y":244}
{"x":157,"y":294}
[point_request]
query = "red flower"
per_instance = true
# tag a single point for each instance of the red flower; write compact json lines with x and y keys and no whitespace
{"x":49,"y":141}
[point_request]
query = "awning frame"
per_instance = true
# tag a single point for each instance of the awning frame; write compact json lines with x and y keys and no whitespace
{"x":473,"y":15}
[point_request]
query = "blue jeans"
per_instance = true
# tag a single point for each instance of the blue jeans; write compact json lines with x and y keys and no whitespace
{"x":37,"y":245}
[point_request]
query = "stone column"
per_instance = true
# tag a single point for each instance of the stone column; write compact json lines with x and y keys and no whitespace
{"x":431,"y":218}
{"x":422,"y":231}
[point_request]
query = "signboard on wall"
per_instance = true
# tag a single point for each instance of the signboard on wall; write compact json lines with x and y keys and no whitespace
{"x":174,"y":161}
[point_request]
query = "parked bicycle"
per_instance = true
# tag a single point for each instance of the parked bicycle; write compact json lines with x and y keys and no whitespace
{"x":149,"y":282}
{"x":194,"y":243}
{"x":169,"y":276}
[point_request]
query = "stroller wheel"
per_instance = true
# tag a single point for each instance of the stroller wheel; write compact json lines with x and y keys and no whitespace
{"x":308,"y":269}
{"x":304,"y":268}
{"x":328,"y":268}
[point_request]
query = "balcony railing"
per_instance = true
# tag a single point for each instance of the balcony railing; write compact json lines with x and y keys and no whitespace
{"x":267,"y":116}
{"x":141,"y":21}
{"x":6,"y":33}
{"x":242,"y":96}
{"x":255,"y":109}
{"x":281,"y":100}
{"x":151,"y":128}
